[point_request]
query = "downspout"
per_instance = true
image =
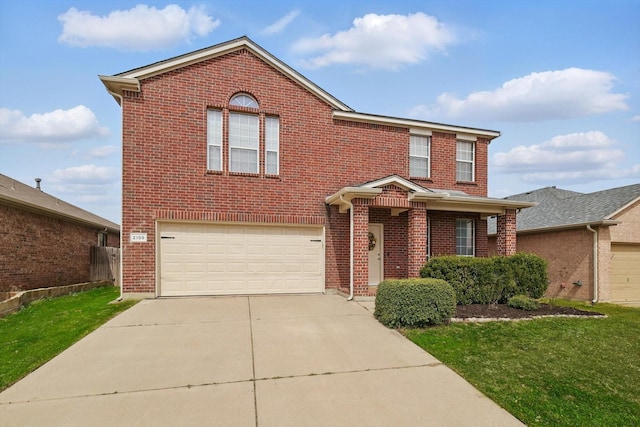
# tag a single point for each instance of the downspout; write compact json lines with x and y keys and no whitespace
{"x":348,"y":203}
{"x":117,"y":95}
{"x":595,"y":263}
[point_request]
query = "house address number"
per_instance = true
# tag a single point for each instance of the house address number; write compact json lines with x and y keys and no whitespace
{"x":138,"y":237}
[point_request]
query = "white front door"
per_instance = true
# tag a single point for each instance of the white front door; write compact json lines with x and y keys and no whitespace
{"x":375,"y":254}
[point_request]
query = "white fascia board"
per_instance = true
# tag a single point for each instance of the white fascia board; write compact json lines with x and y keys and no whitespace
{"x":477,"y":205}
{"x":423,"y":196}
{"x":395,"y":180}
{"x":466,"y":137}
{"x":412,"y":124}
{"x":224,"y":48}
{"x":350,"y":193}
{"x":506,"y":204}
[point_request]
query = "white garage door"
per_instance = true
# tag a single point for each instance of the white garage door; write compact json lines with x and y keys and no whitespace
{"x":231,"y":259}
{"x":625,"y":274}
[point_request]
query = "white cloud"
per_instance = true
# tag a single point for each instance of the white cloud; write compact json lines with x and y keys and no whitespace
{"x":578,"y":157}
{"x":101,"y":152}
{"x":88,"y":181}
{"x":636,"y":118}
{"x":140,"y":28}
{"x":53,"y":128}
{"x":282,"y":23}
{"x":548,"y":95}
{"x":379,"y":41}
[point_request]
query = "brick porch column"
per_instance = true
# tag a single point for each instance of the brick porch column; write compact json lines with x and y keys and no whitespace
{"x":506,"y":233}
{"x":360,"y":247}
{"x":417,"y":241}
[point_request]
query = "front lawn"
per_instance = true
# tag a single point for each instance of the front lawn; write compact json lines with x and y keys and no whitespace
{"x":43,"y":329}
{"x":550,"y":372}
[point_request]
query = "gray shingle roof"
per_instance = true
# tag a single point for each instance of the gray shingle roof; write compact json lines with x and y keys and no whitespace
{"x":558,"y":208}
{"x":15,"y":193}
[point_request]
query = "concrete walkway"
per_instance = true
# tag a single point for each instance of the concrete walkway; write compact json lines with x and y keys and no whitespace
{"x":247,"y":361}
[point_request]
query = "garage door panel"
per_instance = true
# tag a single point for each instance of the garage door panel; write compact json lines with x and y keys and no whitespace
{"x":223,"y":259}
{"x":625,"y":274}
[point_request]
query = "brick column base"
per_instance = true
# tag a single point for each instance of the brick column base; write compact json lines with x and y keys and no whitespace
{"x":417,"y":241}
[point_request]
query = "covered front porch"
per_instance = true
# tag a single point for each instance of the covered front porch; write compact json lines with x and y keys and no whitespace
{"x":395,"y":225}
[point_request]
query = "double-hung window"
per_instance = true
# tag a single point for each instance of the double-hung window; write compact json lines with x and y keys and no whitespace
{"x":272,"y":145}
{"x":244,"y":142}
{"x":465,"y":237}
{"x":250,"y":141}
{"x":465,"y":161}
{"x":214,"y":140}
{"x":419,"y":153}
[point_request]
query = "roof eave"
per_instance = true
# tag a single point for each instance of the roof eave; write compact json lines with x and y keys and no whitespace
{"x":480,"y":205}
{"x":10,"y":201}
{"x":117,"y":85}
{"x":623,"y":208}
{"x":212,"y":52}
{"x":350,"y":193}
{"x":602,"y":223}
{"x":412,"y":124}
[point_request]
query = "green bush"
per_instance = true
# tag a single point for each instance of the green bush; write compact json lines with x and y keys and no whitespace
{"x":523,"y":302}
{"x":490,"y":280}
{"x":414,"y":303}
{"x":530,"y":274}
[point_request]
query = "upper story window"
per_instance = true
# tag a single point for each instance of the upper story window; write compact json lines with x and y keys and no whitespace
{"x":419,"y":153}
{"x":244,"y":142}
{"x":272,"y":146}
{"x":465,"y":237}
{"x":465,"y":161}
{"x":214,"y":140}
{"x":243,"y":100}
{"x":249,"y":143}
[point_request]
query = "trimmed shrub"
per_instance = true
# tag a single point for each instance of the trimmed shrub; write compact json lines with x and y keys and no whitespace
{"x":414,"y":303}
{"x":523,"y":302}
{"x":490,"y":280}
{"x":530,"y":274}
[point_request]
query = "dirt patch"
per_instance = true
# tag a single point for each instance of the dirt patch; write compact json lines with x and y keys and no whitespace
{"x":503,"y":311}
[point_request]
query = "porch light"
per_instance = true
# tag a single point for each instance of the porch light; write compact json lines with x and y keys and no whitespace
{"x":577,"y":283}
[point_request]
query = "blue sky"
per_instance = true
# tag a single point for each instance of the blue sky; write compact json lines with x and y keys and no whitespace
{"x":559,"y":79}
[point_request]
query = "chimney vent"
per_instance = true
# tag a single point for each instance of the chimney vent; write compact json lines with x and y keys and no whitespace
{"x":38,"y":180}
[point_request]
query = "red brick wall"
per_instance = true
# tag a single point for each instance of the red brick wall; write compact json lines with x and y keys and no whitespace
{"x":443,"y":232}
{"x":570,"y":257}
{"x":37,"y":251}
{"x":164,"y":159}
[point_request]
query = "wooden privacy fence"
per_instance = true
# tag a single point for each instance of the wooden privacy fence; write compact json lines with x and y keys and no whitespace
{"x":105,"y":264}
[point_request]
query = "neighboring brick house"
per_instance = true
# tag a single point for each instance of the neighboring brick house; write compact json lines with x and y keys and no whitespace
{"x":572,"y":229}
{"x":240,"y":176}
{"x":44,"y":241}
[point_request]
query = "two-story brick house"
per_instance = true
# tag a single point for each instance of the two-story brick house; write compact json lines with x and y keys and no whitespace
{"x":240,"y":176}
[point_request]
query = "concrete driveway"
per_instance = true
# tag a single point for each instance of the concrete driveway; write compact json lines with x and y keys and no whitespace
{"x":247,"y":361}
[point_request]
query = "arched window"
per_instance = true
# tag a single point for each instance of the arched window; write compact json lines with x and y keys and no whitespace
{"x":243,"y":100}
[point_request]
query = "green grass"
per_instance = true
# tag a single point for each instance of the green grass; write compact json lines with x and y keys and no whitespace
{"x":45,"y":328}
{"x":550,"y":372}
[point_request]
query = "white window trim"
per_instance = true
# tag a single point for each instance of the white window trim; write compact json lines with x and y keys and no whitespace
{"x":473,"y":236}
{"x":428,"y":156}
{"x":276,"y":141}
{"x":472,"y":161}
{"x":255,"y":149}
{"x":243,"y":100}
{"x":212,"y":143}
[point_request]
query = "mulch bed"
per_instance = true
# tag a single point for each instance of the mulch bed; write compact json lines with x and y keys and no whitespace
{"x":503,"y":311}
